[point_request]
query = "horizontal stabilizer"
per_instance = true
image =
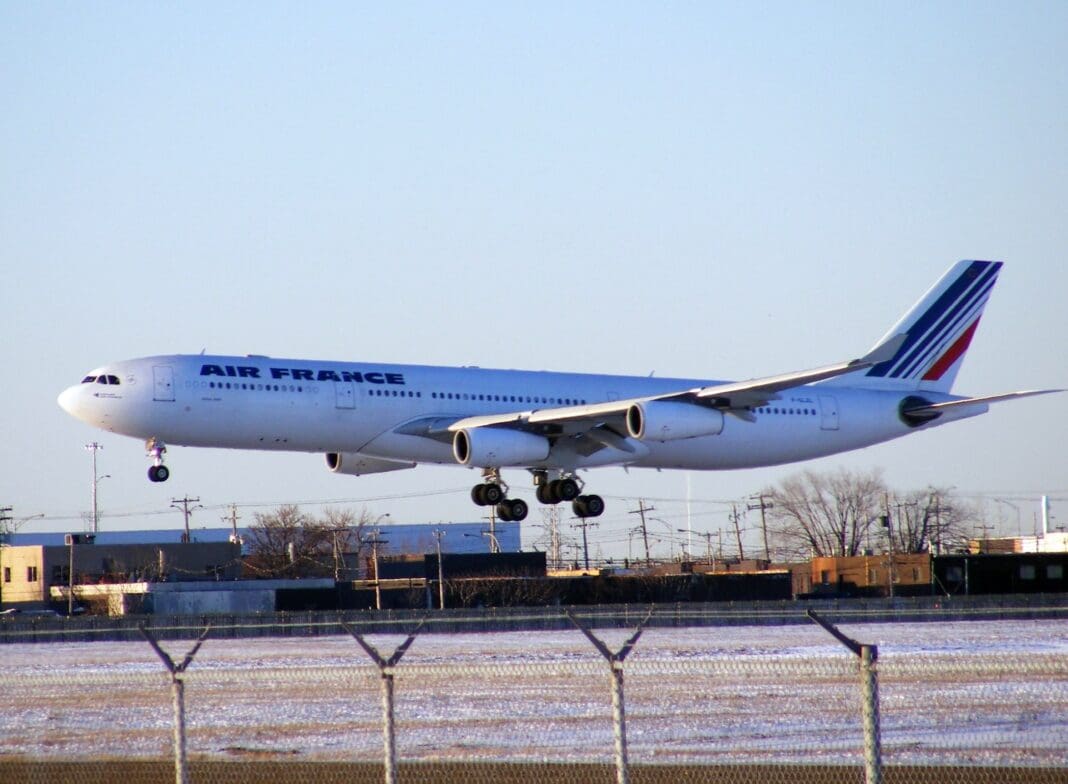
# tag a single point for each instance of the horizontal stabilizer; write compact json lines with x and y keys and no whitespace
{"x":934,"y":408}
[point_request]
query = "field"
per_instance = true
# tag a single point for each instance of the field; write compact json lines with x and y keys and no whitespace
{"x":702,"y":704}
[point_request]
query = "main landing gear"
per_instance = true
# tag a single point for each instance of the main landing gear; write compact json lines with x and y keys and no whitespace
{"x":157,"y":472}
{"x":567,"y":488}
{"x":492,"y":493}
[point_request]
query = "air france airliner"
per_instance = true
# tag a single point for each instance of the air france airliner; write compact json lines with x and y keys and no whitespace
{"x":368,"y":418}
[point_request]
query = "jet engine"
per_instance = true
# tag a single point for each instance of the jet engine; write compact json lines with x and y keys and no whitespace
{"x":355,"y":464}
{"x":661,"y":420}
{"x":489,"y":447}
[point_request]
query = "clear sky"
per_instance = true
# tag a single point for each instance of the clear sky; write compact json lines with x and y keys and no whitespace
{"x":696,"y":189}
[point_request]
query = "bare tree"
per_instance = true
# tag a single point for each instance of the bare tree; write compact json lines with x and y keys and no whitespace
{"x":815,"y":514}
{"x":347,"y":538}
{"x":928,"y":520}
{"x":282,"y":542}
{"x":290,"y":543}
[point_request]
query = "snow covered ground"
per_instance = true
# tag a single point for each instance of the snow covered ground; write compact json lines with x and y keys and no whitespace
{"x":952,"y":693}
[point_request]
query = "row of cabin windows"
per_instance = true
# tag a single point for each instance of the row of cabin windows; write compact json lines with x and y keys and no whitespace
{"x":556,"y":401}
{"x":787,"y":411}
{"x":255,"y":387}
{"x":112,"y":380}
{"x":408,"y":393}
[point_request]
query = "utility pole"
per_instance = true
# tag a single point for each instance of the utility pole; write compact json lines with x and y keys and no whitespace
{"x":762,"y":505}
{"x":737,"y":531}
{"x":890,"y":540}
{"x":374,"y":564}
{"x":708,"y":549}
{"x":438,"y":534}
{"x":232,"y":518}
{"x":554,"y":536}
{"x":641,"y":510}
{"x":183,"y":505}
{"x":585,"y":523}
{"x":492,"y":532}
{"x":94,"y":447}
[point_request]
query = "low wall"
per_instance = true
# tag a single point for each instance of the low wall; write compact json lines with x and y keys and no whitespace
{"x":16,"y":629}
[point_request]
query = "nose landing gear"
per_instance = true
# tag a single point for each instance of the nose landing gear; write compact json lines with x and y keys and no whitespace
{"x":157,"y":472}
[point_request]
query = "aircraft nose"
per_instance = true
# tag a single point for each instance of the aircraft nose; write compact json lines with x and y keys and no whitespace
{"x":69,"y":400}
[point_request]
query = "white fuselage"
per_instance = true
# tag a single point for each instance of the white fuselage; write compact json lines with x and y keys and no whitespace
{"x":312,"y":406}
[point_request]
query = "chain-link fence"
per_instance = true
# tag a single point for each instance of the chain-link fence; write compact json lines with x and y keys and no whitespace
{"x":988,"y":703}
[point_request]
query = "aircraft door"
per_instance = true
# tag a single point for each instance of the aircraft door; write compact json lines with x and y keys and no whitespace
{"x":163,"y":379}
{"x":828,"y":413}
{"x":345,"y":394}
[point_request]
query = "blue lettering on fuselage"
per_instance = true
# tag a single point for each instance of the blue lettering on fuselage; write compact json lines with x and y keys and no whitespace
{"x":304,"y":374}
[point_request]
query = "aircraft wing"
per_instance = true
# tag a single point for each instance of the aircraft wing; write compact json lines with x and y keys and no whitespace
{"x":735,"y":398}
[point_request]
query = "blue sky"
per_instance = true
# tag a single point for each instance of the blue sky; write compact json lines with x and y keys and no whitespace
{"x":698,"y":190}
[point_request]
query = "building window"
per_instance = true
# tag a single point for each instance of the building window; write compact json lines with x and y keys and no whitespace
{"x":7,"y":574}
{"x":1027,"y":572}
{"x":1054,"y":572}
{"x":31,"y":574}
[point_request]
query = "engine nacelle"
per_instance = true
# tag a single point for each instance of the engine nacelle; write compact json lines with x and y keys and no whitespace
{"x":661,"y":420}
{"x":490,"y":447}
{"x":355,"y":464}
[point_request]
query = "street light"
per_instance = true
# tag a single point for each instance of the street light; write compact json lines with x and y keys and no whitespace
{"x":93,"y":448}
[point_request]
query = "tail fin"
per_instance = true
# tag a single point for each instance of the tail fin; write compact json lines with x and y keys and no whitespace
{"x":940,"y":328}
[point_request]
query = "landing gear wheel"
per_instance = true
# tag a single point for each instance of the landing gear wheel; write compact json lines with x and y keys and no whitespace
{"x":487,"y":494}
{"x":566,"y":489}
{"x":493,"y":494}
{"x":545,"y":495}
{"x":158,"y":473}
{"x":588,"y":506}
{"x":512,"y":509}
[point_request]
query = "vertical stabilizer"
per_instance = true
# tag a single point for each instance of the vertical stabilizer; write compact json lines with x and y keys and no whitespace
{"x":940,"y":328}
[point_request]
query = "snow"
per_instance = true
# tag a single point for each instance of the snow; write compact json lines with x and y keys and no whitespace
{"x":951,"y":693}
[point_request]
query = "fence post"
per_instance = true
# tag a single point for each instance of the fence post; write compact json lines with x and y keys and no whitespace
{"x":615,"y":662}
{"x":386,"y":672}
{"x":181,"y":772}
{"x":869,"y":691}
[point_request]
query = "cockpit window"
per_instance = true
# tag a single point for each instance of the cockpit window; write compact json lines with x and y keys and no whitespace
{"x":89,"y":379}
{"x":113,"y":380}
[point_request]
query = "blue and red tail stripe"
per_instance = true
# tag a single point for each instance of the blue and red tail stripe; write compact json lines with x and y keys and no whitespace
{"x":942,"y":333}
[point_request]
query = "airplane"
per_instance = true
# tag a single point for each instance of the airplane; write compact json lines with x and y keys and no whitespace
{"x":370,"y":418}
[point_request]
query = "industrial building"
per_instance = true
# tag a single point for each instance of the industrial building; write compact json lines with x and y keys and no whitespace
{"x":28,"y":574}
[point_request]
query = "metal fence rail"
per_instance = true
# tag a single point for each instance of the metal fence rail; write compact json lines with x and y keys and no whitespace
{"x":467,"y":706}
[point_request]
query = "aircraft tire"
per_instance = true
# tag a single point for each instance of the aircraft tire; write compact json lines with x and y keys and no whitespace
{"x":592,"y":505}
{"x":492,"y":493}
{"x":567,"y":489}
{"x":545,"y":495}
{"x":517,"y":508}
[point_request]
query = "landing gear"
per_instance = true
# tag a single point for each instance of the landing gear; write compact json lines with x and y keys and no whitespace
{"x":492,"y":493}
{"x":157,"y":472}
{"x":588,"y":506}
{"x":512,"y":509}
{"x":567,"y":488}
